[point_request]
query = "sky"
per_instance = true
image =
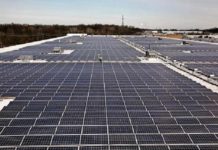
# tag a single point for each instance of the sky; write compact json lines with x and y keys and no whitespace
{"x":179,"y":14}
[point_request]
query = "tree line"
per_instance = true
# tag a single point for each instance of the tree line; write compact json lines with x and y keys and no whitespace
{"x":211,"y":31}
{"x":12,"y":34}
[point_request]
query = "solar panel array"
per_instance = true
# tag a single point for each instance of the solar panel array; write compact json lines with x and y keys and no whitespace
{"x":109,"y":48}
{"x":105,"y":106}
{"x":195,"y":55}
{"x":210,"y":69}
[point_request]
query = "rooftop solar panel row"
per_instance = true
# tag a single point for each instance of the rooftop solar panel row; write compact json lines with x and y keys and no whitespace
{"x":109,"y":48}
{"x":194,"y":54}
{"x":109,"y":104}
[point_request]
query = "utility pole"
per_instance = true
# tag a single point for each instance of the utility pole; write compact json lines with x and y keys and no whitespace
{"x":123,"y":20}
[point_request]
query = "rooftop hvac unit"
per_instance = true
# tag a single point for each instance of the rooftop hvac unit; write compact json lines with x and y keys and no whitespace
{"x":57,"y":50}
{"x":73,"y":41}
{"x":25,"y":57}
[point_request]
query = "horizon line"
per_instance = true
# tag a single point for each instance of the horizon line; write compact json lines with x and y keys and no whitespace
{"x":106,"y":25}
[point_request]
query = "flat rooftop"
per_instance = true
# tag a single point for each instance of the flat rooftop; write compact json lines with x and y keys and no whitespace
{"x":74,"y":101}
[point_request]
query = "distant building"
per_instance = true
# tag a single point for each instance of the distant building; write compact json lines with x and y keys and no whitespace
{"x":182,"y":32}
{"x":176,"y":32}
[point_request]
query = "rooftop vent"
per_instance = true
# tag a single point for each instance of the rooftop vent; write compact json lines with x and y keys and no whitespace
{"x":100,"y":58}
{"x":147,"y":54}
{"x":184,"y":43}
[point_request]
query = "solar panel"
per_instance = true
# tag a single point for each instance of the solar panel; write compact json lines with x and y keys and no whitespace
{"x":177,"y":138}
{"x":37,"y":140}
{"x":195,"y":129}
{"x":63,"y":148}
{"x":7,"y":148}
{"x":187,"y":121}
{"x":170,"y":129}
{"x":22,"y":122}
{"x":120,"y":129}
{"x":36,"y":130}
{"x":15,"y":131}
{"x":95,"y":130}
{"x":184,"y":147}
{"x":69,"y":130}
{"x":10,"y":140}
{"x":122,"y":139}
{"x":4,"y":122}
{"x":212,"y":128}
{"x":145,"y":129}
{"x":204,"y":138}
{"x":206,"y":147}
{"x":94,"y":148}
{"x":65,"y":140}
{"x":33,"y":148}
{"x":48,"y":121}
{"x":124,"y":147}
{"x":94,"y":139}
{"x":150,"y":139}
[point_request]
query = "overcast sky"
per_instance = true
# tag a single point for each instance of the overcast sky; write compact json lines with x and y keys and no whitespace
{"x":140,"y":13}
